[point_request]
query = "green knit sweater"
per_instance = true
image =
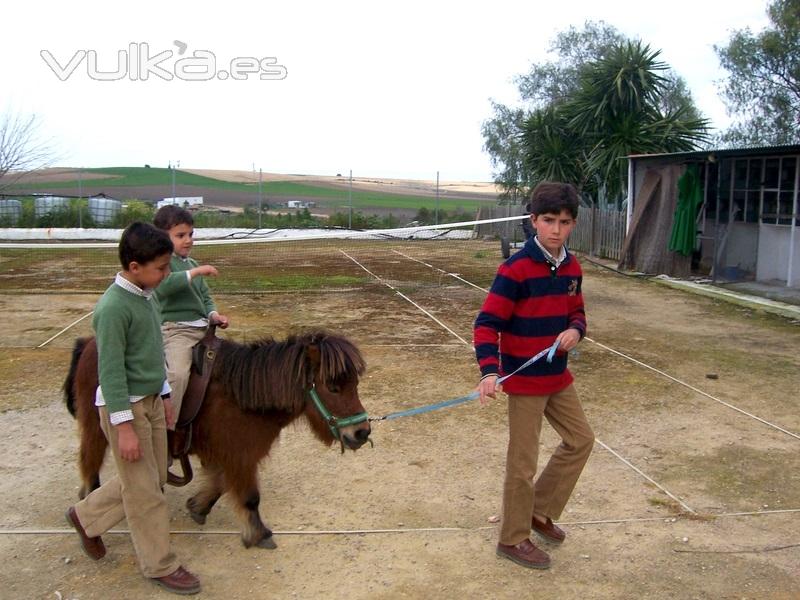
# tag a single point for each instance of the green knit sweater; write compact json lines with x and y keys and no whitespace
{"x":129,"y":346}
{"x":181,"y":299}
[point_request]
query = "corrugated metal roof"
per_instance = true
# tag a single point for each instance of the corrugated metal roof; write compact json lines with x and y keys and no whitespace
{"x":727,"y":152}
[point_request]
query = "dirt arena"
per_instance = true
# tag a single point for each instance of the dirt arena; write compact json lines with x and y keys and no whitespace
{"x":688,"y":493}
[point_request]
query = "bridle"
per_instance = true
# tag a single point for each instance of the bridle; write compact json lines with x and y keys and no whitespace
{"x":335,"y":423}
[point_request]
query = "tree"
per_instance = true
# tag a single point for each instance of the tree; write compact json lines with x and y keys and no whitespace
{"x":133,"y":210}
{"x":556,"y":81}
{"x":619,"y":109}
{"x":21,"y":147}
{"x":550,"y":150}
{"x":604,"y":98}
{"x":762,"y":90}
{"x":675,"y":96}
{"x":501,"y":136}
{"x":546,"y":84}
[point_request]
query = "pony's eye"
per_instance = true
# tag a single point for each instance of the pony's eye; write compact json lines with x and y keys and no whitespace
{"x":333,"y":388}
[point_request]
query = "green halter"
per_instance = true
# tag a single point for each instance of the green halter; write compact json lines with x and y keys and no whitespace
{"x":335,"y":423}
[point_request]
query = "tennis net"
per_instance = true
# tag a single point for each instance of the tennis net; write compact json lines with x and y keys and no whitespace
{"x":266,"y":260}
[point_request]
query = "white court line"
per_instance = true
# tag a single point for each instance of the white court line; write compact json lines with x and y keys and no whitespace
{"x":406,"y":298}
{"x":613,"y":452}
{"x":65,"y":329}
{"x":641,"y":364}
{"x":647,"y":477}
{"x":275,"y":532}
{"x":455,"y":275}
{"x":410,"y":346}
{"x":663,"y":519}
{"x":694,"y":389}
{"x":4,"y":347}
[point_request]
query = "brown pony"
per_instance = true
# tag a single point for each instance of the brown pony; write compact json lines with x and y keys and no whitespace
{"x":255,"y":391}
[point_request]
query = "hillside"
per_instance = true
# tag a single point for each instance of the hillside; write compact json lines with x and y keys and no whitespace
{"x":237,"y":189}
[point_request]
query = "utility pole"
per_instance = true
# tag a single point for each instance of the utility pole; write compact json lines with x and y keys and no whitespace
{"x":350,"y":202}
{"x":436,"y":217}
{"x":80,"y":198}
{"x":173,"y":167}
{"x":259,"y":198}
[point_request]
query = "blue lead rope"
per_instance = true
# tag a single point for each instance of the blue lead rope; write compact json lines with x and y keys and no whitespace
{"x":428,"y":408}
{"x":549,"y":352}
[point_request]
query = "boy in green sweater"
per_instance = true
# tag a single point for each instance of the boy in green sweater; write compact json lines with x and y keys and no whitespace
{"x":186,"y":304}
{"x":134,"y":407}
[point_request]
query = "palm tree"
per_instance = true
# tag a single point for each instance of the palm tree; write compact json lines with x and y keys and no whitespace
{"x":618,"y":110}
{"x":551,"y":151}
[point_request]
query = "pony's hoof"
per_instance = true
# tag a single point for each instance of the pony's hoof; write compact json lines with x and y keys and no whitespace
{"x":197,"y":517}
{"x":268,"y":543}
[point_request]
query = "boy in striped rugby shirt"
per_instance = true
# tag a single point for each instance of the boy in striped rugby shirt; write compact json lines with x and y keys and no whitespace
{"x":536,"y":299}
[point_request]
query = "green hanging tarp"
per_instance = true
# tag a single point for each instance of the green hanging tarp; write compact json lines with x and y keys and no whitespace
{"x":690,"y":198}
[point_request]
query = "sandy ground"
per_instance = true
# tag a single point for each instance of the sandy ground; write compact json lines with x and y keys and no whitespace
{"x":424,"y":495}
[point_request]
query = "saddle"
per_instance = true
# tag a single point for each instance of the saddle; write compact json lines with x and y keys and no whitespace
{"x":179,"y":441}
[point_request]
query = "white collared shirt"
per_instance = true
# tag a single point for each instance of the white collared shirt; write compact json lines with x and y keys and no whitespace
{"x":562,"y":253}
{"x":131,"y":287}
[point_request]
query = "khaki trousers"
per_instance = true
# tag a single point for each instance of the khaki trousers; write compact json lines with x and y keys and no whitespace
{"x":136,"y":492}
{"x":178,"y":344}
{"x":549,"y":496}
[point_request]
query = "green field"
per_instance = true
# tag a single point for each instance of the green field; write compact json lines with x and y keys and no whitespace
{"x":138,"y":177}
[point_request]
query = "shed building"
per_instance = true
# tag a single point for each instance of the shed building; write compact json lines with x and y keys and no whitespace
{"x":744,"y":225}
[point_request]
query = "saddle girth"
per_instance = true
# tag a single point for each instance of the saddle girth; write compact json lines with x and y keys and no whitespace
{"x":203,"y":355}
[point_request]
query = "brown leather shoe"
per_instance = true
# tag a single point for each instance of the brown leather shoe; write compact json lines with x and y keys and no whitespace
{"x":548,"y":530}
{"x":180,"y":581}
{"x":525,"y":554}
{"x":92,"y":546}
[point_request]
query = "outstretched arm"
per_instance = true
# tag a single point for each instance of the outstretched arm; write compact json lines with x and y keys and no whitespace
{"x":203,"y":271}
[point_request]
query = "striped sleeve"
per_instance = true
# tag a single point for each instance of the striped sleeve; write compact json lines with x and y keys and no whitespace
{"x":577,"y":315}
{"x":494,"y":318}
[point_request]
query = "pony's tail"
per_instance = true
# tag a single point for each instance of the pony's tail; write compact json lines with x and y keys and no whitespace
{"x":69,"y":382}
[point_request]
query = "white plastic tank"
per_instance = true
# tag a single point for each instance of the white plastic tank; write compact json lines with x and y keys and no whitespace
{"x":103,"y":210}
{"x":10,"y":211}
{"x":47,"y":204}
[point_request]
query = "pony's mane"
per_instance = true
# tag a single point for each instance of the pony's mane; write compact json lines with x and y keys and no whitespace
{"x":275,"y":375}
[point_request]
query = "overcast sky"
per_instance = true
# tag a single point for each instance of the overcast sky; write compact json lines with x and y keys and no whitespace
{"x":391,"y":90}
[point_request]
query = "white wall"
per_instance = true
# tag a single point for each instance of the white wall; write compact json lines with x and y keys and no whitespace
{"x":742,"y":246}
{"x":773,"y":253}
